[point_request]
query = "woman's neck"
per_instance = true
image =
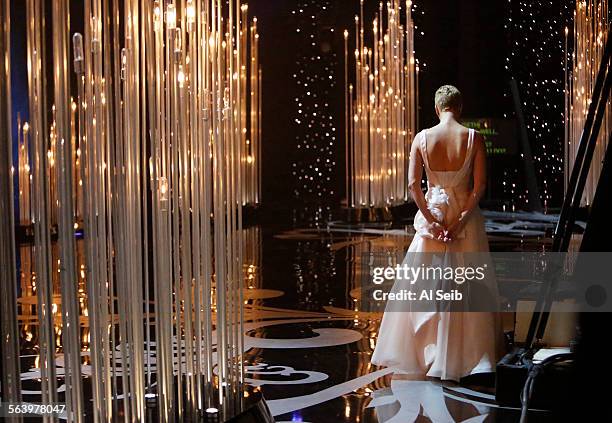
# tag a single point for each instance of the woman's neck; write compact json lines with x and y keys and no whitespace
{"x":447,"y":117}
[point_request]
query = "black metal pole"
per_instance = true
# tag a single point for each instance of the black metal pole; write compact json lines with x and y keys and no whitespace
{"x":559,"y":240}
{"x":571,"y":202}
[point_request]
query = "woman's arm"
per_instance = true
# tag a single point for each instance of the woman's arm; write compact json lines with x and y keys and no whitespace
{"x":415,"y":172}
{"x":480,"y":185}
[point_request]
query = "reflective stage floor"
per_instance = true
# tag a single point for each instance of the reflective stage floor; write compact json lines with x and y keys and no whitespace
{"x":306,"y":347}
{"x":311,"y":349}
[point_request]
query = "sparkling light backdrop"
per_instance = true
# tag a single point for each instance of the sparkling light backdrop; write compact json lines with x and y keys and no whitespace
{"x":315,"y":80}
{"x":536,"y":31}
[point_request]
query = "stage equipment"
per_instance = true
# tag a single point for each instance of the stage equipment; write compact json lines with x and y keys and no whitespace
{"x":143,"y":139}
{"x":533,"y":385}
{"x":584,"y":48}
{"x":381,"y":107}
{"x":518,"y":365}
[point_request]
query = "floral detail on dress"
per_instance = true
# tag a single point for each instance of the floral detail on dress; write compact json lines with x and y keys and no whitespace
{"x":437,"y":203}
{"x":439,"y":200}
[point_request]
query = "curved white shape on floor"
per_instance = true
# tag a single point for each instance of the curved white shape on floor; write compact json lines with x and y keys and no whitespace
{"x":264,"y":369}
{"x":287,"y":405}
{"x":328,"y":337}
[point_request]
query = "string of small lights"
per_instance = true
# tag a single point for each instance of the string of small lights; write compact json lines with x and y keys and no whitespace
{"x":314,"y":122}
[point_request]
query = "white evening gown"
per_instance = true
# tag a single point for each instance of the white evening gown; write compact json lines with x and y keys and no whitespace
{"x":446,"y":345}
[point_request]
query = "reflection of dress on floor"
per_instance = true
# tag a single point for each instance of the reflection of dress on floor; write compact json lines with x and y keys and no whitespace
{"x":447,"y":345}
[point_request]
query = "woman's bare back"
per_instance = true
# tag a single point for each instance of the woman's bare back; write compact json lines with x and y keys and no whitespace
{"x":446,"y":146}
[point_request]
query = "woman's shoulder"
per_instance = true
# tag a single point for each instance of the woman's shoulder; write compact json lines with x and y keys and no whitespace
{"x":478,"y":138}
{"x":422,"y":132}
{"x":465,"y":130}
{"x":445,"y":132}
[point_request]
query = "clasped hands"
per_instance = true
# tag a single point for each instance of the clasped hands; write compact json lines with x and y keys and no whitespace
{"x":447,"y":233}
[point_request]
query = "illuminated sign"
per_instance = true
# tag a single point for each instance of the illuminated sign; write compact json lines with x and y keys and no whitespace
{"x":500,"y":135}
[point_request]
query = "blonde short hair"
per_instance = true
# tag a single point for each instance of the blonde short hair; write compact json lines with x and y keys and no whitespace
{"x":448,"y":97}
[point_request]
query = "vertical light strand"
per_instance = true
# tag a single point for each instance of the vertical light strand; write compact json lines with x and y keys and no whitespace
{"x":145,"y":94}
{"x":253,"y":109}
{"x":243,"y":109}
{"x":239,"y":159}
{"x":230,"y":190}
{"x":41,"y":203}
{"x":113,"y":76}
{"x":347,"y":148}
{"x":218,"y":189}
{"x":259,"y":93}
{"x":91,"y":275}
{"x":97,"y":198}
{"x":191,"y":217}
{"x":135,"y":143}
{"x":24,"y":172}
{"x":10,"y":382}
{"x":256,"y":124}
{"x":566,"y":82}
{"x":205,"y":118}
{"x":161,"y":209}
{"x":64,"y":178}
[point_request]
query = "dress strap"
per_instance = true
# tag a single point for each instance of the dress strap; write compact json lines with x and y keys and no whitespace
{"x":471,"y":134}
{"x":470,"y":149}
{"x":423,"y":144}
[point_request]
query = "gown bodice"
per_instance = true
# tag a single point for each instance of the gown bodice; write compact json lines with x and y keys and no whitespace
{"x":447,"y":191}
{"x":457,"y":180}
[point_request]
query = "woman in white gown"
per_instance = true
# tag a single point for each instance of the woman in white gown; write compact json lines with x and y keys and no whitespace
{"x":446,"y":345}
